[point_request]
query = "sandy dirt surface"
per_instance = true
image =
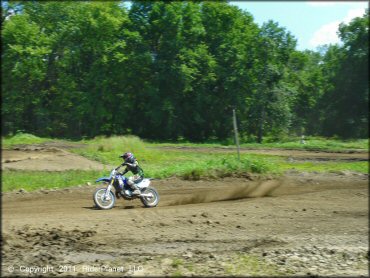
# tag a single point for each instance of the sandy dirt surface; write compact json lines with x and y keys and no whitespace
{"x":41,"y":158}
{"x":299,"y":224}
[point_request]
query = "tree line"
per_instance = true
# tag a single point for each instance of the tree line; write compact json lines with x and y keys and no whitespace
{"x":167,"y":70}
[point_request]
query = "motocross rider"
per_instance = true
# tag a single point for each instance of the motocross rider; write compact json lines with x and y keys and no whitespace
{"x":132,"y":165}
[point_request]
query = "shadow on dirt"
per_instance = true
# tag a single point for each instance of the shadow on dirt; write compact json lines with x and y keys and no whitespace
{"x":92,"y":208}
{"x":128,"y":207}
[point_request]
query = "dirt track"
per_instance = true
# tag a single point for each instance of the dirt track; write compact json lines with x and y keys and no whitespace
{"x":301,"y":224}
{"x":45,"y":159}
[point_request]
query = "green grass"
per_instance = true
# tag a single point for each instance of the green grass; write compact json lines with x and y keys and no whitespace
{"x":165,"y":163}
{"x":161,"y":163}
{"x":135,"y":144}
{"x":34,"y":180}
{"x":176,"y":263}
{"x":249,"y":265}
{"x":24,"y":139}
{"x":327,"y":166}
{"x":220,"y":166}
{"x":321,"y":144}
{"x":237,"y":265}
{"x":311,"y":143}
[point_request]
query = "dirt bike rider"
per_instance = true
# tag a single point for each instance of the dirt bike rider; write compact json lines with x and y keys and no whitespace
{"x":132,"y":165}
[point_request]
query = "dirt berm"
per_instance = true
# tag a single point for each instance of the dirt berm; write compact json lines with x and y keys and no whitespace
{"x":300,"y":224}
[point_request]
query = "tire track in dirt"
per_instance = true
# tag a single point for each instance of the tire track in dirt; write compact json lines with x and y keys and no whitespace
{"x":206,"y":224}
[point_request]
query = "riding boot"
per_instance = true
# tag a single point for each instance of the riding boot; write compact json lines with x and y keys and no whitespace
{"x":135,"y":189}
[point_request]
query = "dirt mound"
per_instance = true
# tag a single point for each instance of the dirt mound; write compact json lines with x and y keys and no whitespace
{"x":46,"y":159}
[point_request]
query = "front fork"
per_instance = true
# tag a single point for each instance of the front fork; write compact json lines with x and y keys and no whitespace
{"x":106,"y":195}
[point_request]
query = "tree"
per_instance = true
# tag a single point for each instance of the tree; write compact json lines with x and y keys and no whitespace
{"x":307,"y":80}
{"x":231,"y":40}
{"x":174,"y":69}
{"x":269,"y":109}
{"x":346,"y":100}
{"x":25,"y":51}
{"x":59,"y":60}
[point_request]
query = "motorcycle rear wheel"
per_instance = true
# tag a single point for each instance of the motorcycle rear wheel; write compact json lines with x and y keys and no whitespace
{"x":102,"y":202}
{"x":150,"y":201}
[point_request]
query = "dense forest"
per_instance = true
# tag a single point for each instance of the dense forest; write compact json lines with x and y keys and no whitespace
{"x":170,"y":70}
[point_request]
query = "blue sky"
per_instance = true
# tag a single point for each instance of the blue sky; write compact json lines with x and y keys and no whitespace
{"x":312,"y":23}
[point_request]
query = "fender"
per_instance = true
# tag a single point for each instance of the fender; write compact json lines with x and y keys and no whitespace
{"x":103,"y":179}
{"x":144,"y":183}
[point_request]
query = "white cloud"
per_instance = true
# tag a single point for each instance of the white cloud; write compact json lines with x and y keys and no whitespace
{"x":353,"y":13}
{"x":327,"y":34}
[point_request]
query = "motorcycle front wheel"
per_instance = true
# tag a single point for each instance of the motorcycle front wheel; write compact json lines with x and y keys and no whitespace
{"x":101,"y":201}
{"x":152,"y":199}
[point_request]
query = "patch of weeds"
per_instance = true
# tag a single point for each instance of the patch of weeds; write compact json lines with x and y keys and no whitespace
{"x":176,"y":263}
{"x":250,"y":265}
{"x":24,"y":139}
{"x":178,"y":273}
{"x":190,"y":267}
{"x":101,"y":148}
{"x":194,"y":174}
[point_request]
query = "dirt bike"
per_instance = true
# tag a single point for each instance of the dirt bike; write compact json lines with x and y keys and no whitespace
{"x":105,"y":199}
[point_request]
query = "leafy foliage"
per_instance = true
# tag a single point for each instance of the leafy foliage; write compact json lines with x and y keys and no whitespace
{"x":170,"y":70}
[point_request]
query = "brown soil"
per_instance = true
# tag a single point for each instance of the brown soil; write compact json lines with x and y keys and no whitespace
{"x":300,"y":224}
{"x":41,"y":158}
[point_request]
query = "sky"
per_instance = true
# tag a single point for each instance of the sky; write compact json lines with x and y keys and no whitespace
{"x":312,"y":23}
